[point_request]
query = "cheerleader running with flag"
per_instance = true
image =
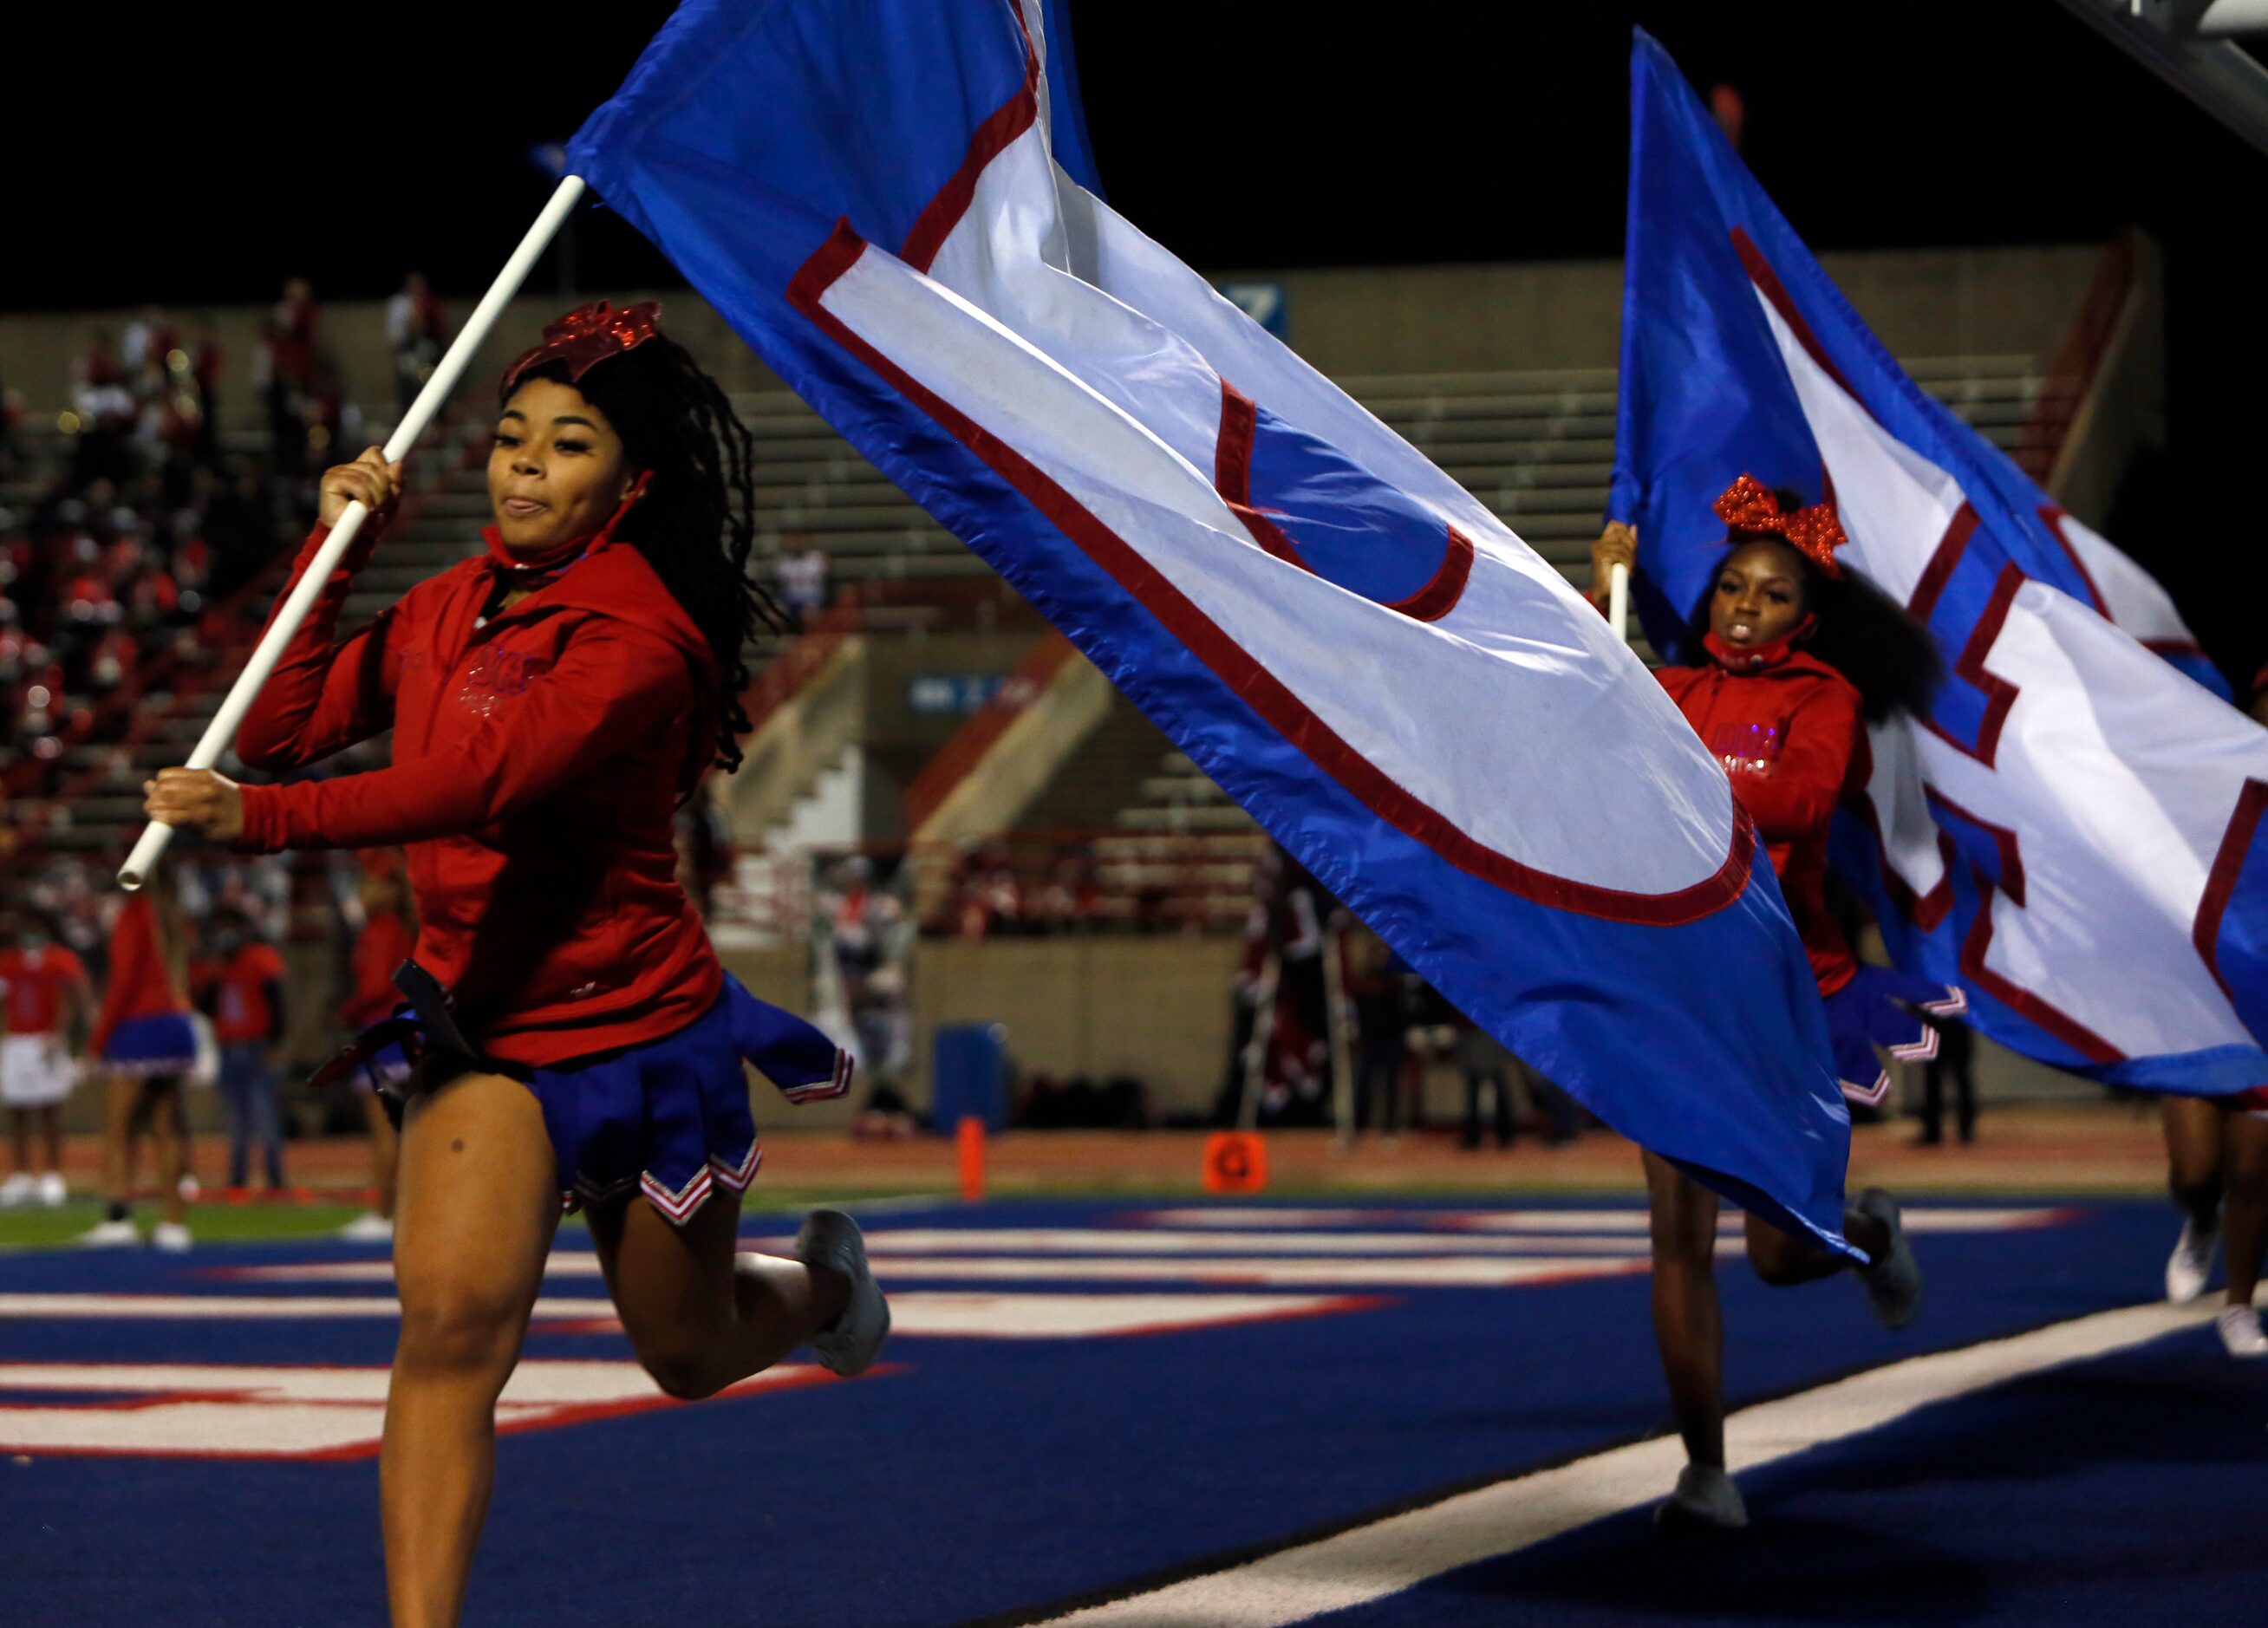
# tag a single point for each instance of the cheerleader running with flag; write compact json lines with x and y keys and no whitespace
{"x":1799,"y":657}
{"x":551,"y":704}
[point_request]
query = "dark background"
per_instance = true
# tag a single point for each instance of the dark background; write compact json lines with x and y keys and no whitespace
{"x":192,"y":156}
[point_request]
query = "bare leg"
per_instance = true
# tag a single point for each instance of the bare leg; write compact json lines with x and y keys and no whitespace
{"x":51,"y":1132}
{"x":2246,"y":1136}
{"x":1783,"y":1258}
{"x":1688,"y":1325}
{"x":384,"y":1151}
{"x":19,"y":1138}
{"x":122,"y":1098}
{"x":701,"y":1315}
{"x":171,"y":1132}
{"x":480,"y":1202}
{"x":2193,"y":1133}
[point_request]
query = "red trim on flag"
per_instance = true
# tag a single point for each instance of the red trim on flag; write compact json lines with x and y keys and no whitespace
{"x":1922,"y":603}
{"x":2012,"y":856}
{"x":2220,"y":881}
{"x":1232,"y":474}
{"x":991,"y":139}
{"x":1768,"y":284}
{"x":1438,"y":597}
{"x":2051,"y":516}
{"x":1247,"y":678}
{"x":1231,"y":478}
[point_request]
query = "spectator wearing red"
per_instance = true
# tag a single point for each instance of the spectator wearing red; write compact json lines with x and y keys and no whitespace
{"x":146,"y":1049}
{"x":244,"y":996}
{"x":49,"y":1003}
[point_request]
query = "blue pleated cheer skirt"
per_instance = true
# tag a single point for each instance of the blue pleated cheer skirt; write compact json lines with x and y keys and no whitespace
{"x":164,"y":1043}
{"x":671,"y":1118}
{"x":1883,"y":1006}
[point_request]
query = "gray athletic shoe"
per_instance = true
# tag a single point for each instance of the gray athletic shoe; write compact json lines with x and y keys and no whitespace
{"x":847,"y":1346}
{"x":1705,"y":1496}
{"x":1893,"y":1283}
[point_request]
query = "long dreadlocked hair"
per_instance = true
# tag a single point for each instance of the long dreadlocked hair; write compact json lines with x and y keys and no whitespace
{"x":696,"y":524}
{"x":1862,"y":632}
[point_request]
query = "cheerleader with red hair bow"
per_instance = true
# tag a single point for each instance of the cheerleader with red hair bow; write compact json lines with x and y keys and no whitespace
{"x":1800,"y":655}
{"x":551,"y":704}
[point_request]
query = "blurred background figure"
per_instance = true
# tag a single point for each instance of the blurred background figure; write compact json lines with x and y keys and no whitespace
{"x":1956,"y":1052}
{"x":242,"y":988}
{"x":385,"y":939}
{"x":415,"y":332}
{"x":48,"y":1005}
{"x":1378,"y":986}
{"x":145,"y":1048}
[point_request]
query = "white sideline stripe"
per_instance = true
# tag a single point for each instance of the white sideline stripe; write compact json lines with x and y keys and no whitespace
{"x":1400,"y":1551}
{"x":1918,"y":1219}
{"x":936,"y":1314}
{"x":1097,"y":1242}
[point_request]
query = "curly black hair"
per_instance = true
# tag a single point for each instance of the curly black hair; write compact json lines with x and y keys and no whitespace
{"x":1862,"y":632}
{"x":696,"y":524}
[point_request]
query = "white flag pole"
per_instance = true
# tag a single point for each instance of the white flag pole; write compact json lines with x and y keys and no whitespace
{"x":1618,"y":599}
{"x":221,"y":733}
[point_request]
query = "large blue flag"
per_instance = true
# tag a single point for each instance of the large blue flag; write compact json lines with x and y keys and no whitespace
{"x":1401,"y":692}
{"x":2073,"y":834}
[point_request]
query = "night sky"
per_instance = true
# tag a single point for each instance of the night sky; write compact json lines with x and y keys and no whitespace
{"x":185,"y":158}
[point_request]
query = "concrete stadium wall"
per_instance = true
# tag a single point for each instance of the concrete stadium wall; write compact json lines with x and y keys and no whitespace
{"x":1354,"y":321}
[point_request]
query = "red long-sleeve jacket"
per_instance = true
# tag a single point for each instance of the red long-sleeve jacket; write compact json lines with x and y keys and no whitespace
{"x":537,"y":762}
{"x":137,"y":984}
{"x":1786,"y":735}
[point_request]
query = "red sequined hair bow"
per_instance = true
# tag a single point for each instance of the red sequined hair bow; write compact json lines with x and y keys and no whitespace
{"x":587,"y":335}
{"x":1750,"y":505}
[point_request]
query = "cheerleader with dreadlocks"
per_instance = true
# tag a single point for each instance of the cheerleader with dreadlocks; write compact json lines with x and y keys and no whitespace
{"x":1799,"y":656}
{"x":551,"y":704}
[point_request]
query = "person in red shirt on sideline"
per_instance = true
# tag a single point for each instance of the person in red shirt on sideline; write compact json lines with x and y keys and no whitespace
{"x":1800,"y":655}
{"x":145,"y":1047}
{"x":244,"y":989}
{"x":388,"y":938}
{"x":551,"y":704}
{"x":47,"y":1005}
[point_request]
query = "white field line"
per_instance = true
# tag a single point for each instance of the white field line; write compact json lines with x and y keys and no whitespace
{"x":1920,"y":1219}
{"x":1231,"y":1272}
{"x":916,"y":1314}
{"x":1400,"y":1551}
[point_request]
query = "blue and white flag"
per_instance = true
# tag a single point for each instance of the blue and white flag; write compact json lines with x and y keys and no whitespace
{"x":2073,"y":834}
{"x":1400,"y":691}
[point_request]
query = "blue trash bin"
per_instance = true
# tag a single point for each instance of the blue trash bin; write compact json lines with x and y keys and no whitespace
{"x":968,"y":1076}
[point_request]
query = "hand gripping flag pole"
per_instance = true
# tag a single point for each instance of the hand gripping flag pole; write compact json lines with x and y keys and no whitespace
{"x":221,"y":733}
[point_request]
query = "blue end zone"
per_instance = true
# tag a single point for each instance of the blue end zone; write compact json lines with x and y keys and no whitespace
{"x":991,"y":1478}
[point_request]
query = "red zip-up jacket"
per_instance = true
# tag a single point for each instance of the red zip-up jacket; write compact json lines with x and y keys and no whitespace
{"x":537,"y":764}
{"x":137,"y":984}
{"x":1786,"y":735}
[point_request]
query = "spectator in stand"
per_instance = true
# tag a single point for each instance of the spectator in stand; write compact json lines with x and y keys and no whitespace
{"x":145,"y":1047}
{"x":388,"y":938}
{"x":802,"y":573}
{"x":48,"y":1005}
{"x":416,"y":331}
{"x":287,"y":374}
{"x":243,"y":988}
